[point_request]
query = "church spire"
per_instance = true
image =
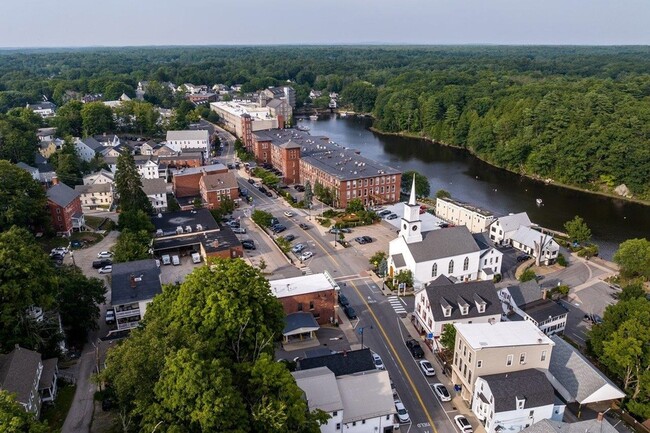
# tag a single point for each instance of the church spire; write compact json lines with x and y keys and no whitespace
{"x":412,"y":201}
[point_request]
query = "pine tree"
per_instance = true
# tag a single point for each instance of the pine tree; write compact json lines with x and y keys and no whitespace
{"x":129,"y":186}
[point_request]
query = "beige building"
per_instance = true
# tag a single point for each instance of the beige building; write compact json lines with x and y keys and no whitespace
{"x":461,"y":214}
{"x":260,"y":117}
{"x":95,"y":196}
{"x":483,"y":349}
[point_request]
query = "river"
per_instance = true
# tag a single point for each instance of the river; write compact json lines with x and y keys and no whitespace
{"x":471,"y":180}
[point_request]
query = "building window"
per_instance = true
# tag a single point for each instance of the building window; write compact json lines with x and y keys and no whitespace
{"x":338,"y":426}
{"x":299,"y":307}
{"x":522,"y":358}
{"x":543,"y":355}
{"x":335,"y":413}
{"x":479,"y":363}
{"x":354,"y":423}
{"x":509,"y":360}
{"x":434,"y":270}
{"x":469,"y":358}
{"x":311,"y":305}
{"x":466,"y":264}
{"x":451,"y":267}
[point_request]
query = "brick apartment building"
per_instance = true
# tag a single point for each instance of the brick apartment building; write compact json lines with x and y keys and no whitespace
{"x":214,"y":187}
{"x":302,"y":157}
{"x":314,"y":294}
{"x":65,"y":208}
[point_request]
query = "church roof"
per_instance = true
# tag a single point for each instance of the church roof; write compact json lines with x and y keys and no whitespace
{"x":448,"y":242}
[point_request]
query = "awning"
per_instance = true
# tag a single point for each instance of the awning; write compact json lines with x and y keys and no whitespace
{"x":299,"y":323}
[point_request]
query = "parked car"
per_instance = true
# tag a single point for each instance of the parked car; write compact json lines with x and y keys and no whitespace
{"x":415,"y":348}
{"x":268,"y":194}
{"x":239,"y":230}
{"x":106,"y":269}
{"x":343,"y":301}
{"x":402,"y":413}
{"x":349,"y":311}
{"x":299,"y":188}
{"x":289,"y":237}
{"x":391,"y":216}
{"x":278,"y":228}
{"x":379,"y":364}
{"x":384,"y":212}
{"x":335,"y":231}
{"x":104,"y":255}
{"x":166,"y":260}
{"x":262,"y":190}
{"x":298,"y":248}
{"x":306,"y":256}
{"x":363,"y":239}
{"x":594,"y":319}
{"x":176,"y":260}
{"x":427,"y":368}
{"x":248,"y":245}
{"x":59,"y":250}
{"x":230,"y":166}
{"x":463,"y":424}
{"x":233,"y":224}
{"x":101,"y":263}
{"x":110,"y":317}
{"x":251,"y":181}
{"x":441,"y":392}
{"x":288,"y":213}
{"x":57,"y":257}
{"x":274,"y":221}
{"x":522,"y":257}
{"x":303,"y":226}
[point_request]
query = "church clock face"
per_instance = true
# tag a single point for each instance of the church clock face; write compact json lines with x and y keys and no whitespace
{"x":414,"y":228}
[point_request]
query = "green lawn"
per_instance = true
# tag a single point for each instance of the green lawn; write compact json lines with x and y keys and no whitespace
{"x":55,"y":414}
{"x":93,"y":221}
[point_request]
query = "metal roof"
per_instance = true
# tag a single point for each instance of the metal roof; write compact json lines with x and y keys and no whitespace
{"x":320,"y":388}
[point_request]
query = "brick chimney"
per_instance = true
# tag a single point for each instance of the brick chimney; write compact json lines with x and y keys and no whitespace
{"x":132,"y":279}
{"x":55,"y":180}
{"x":544,"y":293}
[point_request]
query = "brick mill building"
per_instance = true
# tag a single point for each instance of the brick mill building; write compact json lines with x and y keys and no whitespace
{"x":65,"y":208}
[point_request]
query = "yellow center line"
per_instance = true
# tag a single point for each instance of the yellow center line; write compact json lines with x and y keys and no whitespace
{"x":383,"y":332}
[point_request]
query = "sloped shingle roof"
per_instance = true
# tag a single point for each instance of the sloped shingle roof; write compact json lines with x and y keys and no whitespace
{"x":350,"y":362}
{"x":530,"y":384}
{"x":512,"y":222}
{"x":61,"y":194}
{"x":448,"y":242}
{"x":456,"y":294}
{"x":18,"y":371}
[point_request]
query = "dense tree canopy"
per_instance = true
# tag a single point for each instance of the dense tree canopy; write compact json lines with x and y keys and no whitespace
{"x":577,"y":230}
{"x":22,"y":199}
{"x":14,"y":418}
{"x":18,"y":141}
{"x":422,"y":186}
{"x":204,"y":359}
{"x":128,"y":186}
{"x":633,"y":257}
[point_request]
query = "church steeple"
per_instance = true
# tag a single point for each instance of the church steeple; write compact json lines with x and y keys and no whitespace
{"x":411,"y":224}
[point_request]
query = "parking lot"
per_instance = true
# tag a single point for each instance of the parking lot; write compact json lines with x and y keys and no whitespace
{"x":171,"y":274}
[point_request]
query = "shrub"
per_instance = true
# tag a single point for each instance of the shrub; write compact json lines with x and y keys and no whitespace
{"x":527,"y":275}
{"x":562,"y":261}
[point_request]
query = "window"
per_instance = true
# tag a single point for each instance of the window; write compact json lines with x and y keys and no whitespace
{"x":451,"y":267}
{"x":469,"y":358}
{"x":311,"y":305}
{"x":531,"y":413}
{"x":338,"y":425}
{"x":469,"y":376}
{"x":434,"y":270}
{"x":509,"y":360}
{"x":363,"y":421}
{"x":387,"y":416}
{"x":354,"y":423}
{"x":465,"y":351}
{"x":299,"y":307}
{"x":522,"y":358}
{"x":543,"y":355}
{"x":466,"y":264}
{"x":479,"y":363}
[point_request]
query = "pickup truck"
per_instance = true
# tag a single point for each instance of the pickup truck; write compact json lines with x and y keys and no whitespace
{"x":415,"y":348}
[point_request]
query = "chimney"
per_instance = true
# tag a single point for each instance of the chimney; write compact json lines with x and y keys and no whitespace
{"x":132,"y":279}
{"x":345,"y":353}
{"x":55,"y":180}
{"x":600,"y":417}
{"x":544,"y":293}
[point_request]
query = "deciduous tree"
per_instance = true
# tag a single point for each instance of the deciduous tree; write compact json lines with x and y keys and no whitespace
{"x":422,"y":186}
{"x":14,"y":418}
{"x":22,"y":199}
{"x":633,"y":257}
{"x":577,"y":230}
{"x":97,"y":118}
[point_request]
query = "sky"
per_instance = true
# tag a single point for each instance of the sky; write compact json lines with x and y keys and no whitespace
{"x":67,"y":23}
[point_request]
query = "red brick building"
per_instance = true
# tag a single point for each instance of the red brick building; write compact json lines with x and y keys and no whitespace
{"x":214,"y":187}
{"x":185,"y":183}
{"x":314,"y":294}
{"x":65,"y":208}
{"x":302,"y":157}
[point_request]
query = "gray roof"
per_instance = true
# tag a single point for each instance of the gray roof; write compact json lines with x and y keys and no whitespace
{"x":124,"y":277}
{"x":589,"y":426}
{"x":528,"y":236}
{"x":42,"y":106}
{"x":543,"y":309}
{"x":354,"y":361}
{"x":530,"y":384}
{"x":188,"y":134}
{"x":482,"y":240}
{"x":61,"y":194}
{"x":168,"y":222}
{"x":366,"y":396}
{"x":524,"y":293}
{"x":398,"y":259}
{"x":320,"y":388}
{"x":454,"y":295}
{"x":154,"y":186}
{"x":512,"y":222}
{"x":219,"y":181}
{"x":47,"y":376}
{"x":577,"y":378}
{"x":302,"y":321}
{"x":92,"y":143}
{"x":275,"y":103}
{"x":27,"y":168}
{"x":18,"y":371}
{"x":447,"y":242}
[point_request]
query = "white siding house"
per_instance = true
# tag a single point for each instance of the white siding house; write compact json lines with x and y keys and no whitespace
{"x":503,"y":228}
{"x":189,"y":139}
{"x":458,"y":213}
{"x":533,"y":242}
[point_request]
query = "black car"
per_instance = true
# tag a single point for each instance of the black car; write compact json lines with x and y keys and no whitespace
{"x":343,"y":301}
{"x":250,"y":180}
{"x":523,"y":257}
{"x":231,"y":166}
{"x":299,"y":188}
{"x":268,"y":194}
{"x":274,"y":221}
{"x":415,"y":348}
{"x":289,"y":238}
{"x":279,"y":228}
{"x":303,"y":226}
{"x":384,"y":213}
{"x":262,"y":190}
{"x":349,"y":311}
{"x":248,"y":245}
{"x":101,"y":263}
{"x":363,"y":239}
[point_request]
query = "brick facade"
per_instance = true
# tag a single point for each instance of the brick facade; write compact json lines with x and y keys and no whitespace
{"x":187,"y":184}
{"x":62,"y":216}
{"x":320,"y":304}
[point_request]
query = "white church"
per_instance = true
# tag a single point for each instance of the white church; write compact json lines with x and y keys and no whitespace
{"x":453,"y":251}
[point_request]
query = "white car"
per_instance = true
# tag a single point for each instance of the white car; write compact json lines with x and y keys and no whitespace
{"x":298,"y":248}
{"x":239,"y":230}
{"x":59,"y":250}
{"x":463,"y":424}
{"x":402,"y":413}
{"x":288,"y":213}
{"x":110,"y":317}
{"x":306,"y":255}
{"x":104,"y":255}
{"x":106,"y":269}
{"x":378,"y":362}
{"x":176,"y":260}
{"x":166,"y":260}
{"x":441,"y":392}
{"x":427,"y":368}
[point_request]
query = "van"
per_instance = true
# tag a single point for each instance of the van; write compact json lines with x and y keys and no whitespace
{"x":196,"y":258}
{"x":166,"y":260}
{"x":175,"y":260}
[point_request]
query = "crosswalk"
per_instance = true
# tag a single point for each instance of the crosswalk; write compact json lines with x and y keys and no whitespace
{"x":397,"y":304}
{"x":307,"y":271}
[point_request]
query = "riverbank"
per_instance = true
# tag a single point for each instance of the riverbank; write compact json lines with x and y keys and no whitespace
{"x":534,"y":178}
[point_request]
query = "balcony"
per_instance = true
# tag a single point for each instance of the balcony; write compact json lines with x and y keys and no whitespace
{"x":122,"y":314}
{"x":127,"y":325}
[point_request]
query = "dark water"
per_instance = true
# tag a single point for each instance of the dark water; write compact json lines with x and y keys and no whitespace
{"x":470,"y":180}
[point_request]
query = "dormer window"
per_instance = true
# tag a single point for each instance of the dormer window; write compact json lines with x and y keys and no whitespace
{"x":463,"y":305}
{"x":446,"y":311}
{"x":480,"y":303}
{"x":464,"y":310}
{"x":446,"y":307}
{"x":520,"y":402}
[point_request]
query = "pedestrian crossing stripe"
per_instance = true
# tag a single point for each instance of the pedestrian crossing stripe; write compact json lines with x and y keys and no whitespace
{"x":397,"y":305}
{"x":307,"y":271}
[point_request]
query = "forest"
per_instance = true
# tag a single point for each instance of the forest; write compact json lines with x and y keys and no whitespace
{"x":574,"y":115}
